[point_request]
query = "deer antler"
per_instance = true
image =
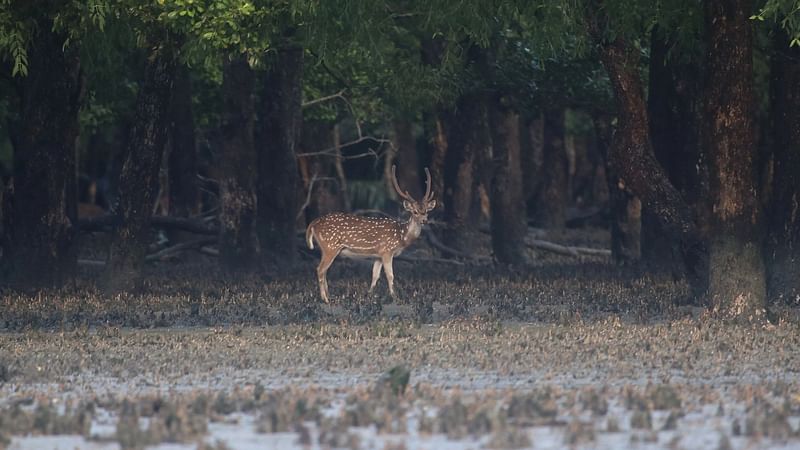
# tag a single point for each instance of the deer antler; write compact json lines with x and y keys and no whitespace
{"x":428,"y":194}
{"x":400,"y":192}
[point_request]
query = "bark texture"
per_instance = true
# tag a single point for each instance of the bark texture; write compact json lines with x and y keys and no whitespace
{"x":783,"y":246}
{"x":184,"y":192}
{"x":625,"y":208}
{"x":40,"y":215}
{"x":278,"y":180}
{"x":552,"y":202}
{"x":737,"y":286}
{"x":508,"y":208}
{"x":238,"y":243}
{"x":674,"y":106}
{"x":139,"y":177}
{"x":465,"y":125}
{"x":632,"y":154}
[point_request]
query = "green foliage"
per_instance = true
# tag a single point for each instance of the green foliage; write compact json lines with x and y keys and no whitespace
{"x":786,"y":13}
{"x":20,"y":21}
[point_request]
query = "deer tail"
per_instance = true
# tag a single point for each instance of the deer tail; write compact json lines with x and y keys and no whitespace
{"x":310,"y":236}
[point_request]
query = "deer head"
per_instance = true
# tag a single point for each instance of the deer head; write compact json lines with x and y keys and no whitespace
{"x":419,"y":209}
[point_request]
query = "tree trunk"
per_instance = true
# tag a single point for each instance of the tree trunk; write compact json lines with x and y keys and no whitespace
{"x":531,"y":148}
{"x":184,"y":193}
{"x":464,"y":126}
{"x":38,"y":248}
{"x":139,"y":179}
{"x":673,"y":108}
{"x":737,"y":286}
{"x":320,"y":172}
{"x":405,"y":157}
{"x":238,"y":243}
{"x":625,"y":209}
{"x":632,"y":155}
{"x":437,"y":148}
{"x":783,"y":245}
{"x":278,"y":181}
{"x":552,"y":202}
{"x":508,"y":208}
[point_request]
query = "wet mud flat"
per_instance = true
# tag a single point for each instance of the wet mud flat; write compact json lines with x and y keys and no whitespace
{"x":460,"y":383}
{"x":571,"y":352}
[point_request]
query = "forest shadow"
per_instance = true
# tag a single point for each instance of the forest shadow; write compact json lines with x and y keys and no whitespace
{"x":192,"y":291}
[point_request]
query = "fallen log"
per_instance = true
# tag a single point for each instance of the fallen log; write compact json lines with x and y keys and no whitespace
{"x":565,"y":249}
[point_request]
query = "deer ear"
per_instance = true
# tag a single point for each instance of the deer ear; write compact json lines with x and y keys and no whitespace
{"x":408,"y":206}
{"x":431,"y":204}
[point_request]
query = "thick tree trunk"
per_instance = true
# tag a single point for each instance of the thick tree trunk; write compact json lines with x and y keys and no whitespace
{"x":737,"y":286}
{"x":405,"y":156}
{"x":673,"y":106}
{"x":238,"y":243}
{"x":38,"y":248}
{"x":508,"y":208}
{"x":464,"y":125}
{"x":184,"y":192}
{"x":625,"y":209}
{"x":632,"y":155}
{"x":783,"y":246}
{"x":139,"y":178}
{"x":552,"y":202}
{"x":278,"y":180}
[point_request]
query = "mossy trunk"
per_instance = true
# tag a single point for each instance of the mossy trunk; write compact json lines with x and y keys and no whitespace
{"x":184,"y":192}
{"x":737,"y":286}
{"x":238,"y":243}
{"x":552,"y":202}
{"x":508,"y":223}
{"x":631,"y":153}
{"x":278,"y":179}
{"x":783,"y":245}
{"x":139,"y":178}
{"x":41,"y":213}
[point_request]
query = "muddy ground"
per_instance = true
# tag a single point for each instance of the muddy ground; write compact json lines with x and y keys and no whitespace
{"x":566,"y":353}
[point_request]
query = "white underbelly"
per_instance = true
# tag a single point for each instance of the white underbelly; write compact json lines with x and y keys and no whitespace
{"x":355,"y":255}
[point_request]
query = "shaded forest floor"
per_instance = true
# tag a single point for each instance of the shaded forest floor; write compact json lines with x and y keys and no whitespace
{"x":569,"y":353}
{"x":192,"y":291}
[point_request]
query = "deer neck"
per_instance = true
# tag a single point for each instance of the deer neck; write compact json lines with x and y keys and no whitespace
{"x":412,"y":230}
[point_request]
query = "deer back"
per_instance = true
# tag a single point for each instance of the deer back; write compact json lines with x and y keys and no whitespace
{"x":367,"y":235}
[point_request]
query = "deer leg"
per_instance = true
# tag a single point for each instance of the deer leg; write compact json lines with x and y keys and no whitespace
{"x":387,"y":269}
{"x":376,"y":273}
{"x":322,"y":271}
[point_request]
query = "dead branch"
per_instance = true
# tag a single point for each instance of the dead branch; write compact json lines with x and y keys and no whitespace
{"x":308,"y":197}
{"x":336,"y":153}
{"x":338,"y":95}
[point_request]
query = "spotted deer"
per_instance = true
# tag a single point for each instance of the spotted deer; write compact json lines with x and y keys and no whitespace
{"x":378,"y":238}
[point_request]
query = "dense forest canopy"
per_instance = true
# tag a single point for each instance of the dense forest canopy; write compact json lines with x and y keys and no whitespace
{"x":234,"y":123}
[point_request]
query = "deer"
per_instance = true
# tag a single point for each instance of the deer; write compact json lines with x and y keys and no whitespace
{"x":378,"y":238}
